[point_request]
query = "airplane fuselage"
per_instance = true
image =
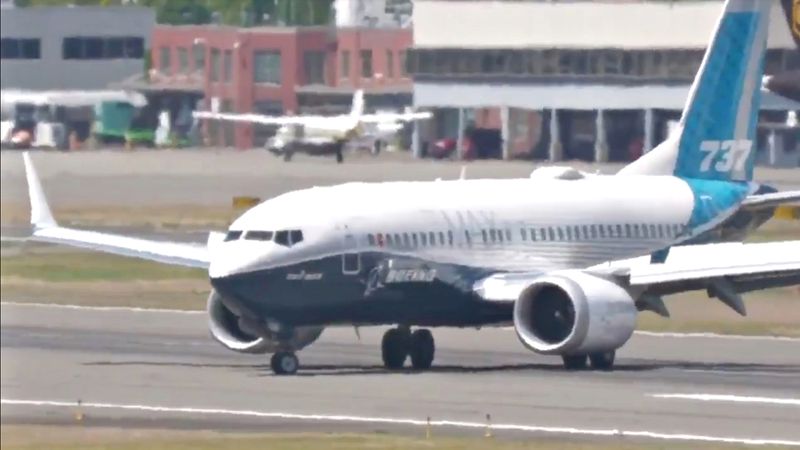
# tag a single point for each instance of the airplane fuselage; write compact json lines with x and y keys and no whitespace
{"x":411,"y":252}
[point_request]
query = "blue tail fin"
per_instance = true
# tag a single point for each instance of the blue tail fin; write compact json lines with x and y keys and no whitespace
{"x":717,"y":132}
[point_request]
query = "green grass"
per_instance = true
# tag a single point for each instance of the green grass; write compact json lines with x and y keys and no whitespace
{"x":72,"y":266}
{"x":21,"y":437}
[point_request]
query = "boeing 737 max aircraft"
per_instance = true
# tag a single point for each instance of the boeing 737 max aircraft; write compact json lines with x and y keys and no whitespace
{"x":570,"y":259}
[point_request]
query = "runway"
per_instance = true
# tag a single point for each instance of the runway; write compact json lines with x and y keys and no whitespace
{"x":161,"y":368}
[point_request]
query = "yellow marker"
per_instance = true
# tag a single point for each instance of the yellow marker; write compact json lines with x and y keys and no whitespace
{"x":245,"y":202}
{"x":79,"y":413}
{"x":787,"y":212}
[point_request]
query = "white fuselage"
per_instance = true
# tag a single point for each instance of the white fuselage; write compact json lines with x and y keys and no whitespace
{"x":504,"y":225}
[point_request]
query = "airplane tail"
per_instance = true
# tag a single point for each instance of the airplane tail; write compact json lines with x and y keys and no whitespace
{"x":357,"y":109}
{"x":715,"y":139}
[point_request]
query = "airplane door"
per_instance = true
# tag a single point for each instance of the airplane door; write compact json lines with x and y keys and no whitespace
{"x":351,"y":259}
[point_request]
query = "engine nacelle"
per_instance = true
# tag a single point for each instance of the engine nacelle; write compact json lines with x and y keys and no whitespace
{"x":235,"y":333}
{"x":572,"y":312}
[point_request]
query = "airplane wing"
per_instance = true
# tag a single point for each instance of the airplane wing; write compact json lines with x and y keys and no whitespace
{"x":395,"y":117}
{"x":716,"y":267}
{"x":771,"y":200}
{"x":320,"y":121}
{"x":47,"y":230}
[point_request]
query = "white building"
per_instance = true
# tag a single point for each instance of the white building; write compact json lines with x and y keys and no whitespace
{"x":529,"y":70}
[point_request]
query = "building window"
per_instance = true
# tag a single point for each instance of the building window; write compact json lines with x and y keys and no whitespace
{"x":214,"y":64}
{"x":115,"y":48}
{"x":165,"y":63}
{"x":183,"y":60}
{"x":199,"y":52}
{"x":314,"y":67}
{"x":403,"y":67}
{"x":344,"y":65}
{"x":366,"y":64}
{"x":267,"y":67}
{"x":389,"y":64}
{"x":102,"y":47}
{"x":21,"y":48}
{"x":227,"y":66}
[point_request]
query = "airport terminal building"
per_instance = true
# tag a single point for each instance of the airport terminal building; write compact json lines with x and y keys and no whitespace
{"x":596,"y":81}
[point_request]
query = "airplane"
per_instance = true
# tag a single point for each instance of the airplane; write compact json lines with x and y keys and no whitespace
{"x":325,"y":135}
{"x":569,"y":259}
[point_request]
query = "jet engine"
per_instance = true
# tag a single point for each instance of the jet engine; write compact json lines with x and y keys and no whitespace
{"x":248,"y":336}
{"x":572,"y":312}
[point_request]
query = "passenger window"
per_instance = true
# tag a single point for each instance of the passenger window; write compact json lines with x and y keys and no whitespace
{"x":551,"y":234}
{"x":371,"y":240}
{"x":652,"y":230}
{"x":508,"y":235}
{"x":282,"y":237}
{"x":441,"y":237}
{"x":585,"y":234}
{"x":259,"y":235}
{"x":450,"y":238}
{"x":483,"y":235}
{"x":593,"y":231}
{"x":467,"y":237}
{"x":389,"y":240}
{"x":567,"y":233}
{"x":423,"y":238}
{"x":406,"y":241}
{"x":560,"y":232}
{"x":397,"y":241}
{"x":602,"y":231}
{"x":628,"y":230}
{"x":660,"y":231}
{"x":296,"y":236}
{"x":619,"y":231}
{"x":533,"y":234}
{"x":500,"y":235}
{"x":493,"y":234}
{"x":233,"y":235}
{"x":523,"y":234}
{"x":432,"y":238}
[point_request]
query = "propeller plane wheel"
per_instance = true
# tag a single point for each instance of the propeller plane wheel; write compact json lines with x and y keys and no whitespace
{"x":602,"y":360}
{"x":574,"y":362}
{"x":394,"y":348}
{"x":284,"y":363}
{"x":422,"y":349}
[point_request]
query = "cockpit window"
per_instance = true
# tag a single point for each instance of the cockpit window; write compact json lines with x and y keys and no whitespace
{"x":282,"y":237}
{"x":233,"y":235}
{"x":296,"y":236}
{"x":258,"y":235}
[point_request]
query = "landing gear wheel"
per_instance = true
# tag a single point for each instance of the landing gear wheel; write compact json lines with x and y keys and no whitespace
{"x":574,"y":362}
{"x":287,"y":155}
{"x":422,"y":349}
{"x":377,"y":147}
{"x":284,"y":363}
{"x":602,"y":361}
{"x":394,"y":348}
{"x":339,"y":156}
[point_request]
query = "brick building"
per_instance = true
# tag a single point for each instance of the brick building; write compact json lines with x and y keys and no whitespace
{"x":277,"y":70}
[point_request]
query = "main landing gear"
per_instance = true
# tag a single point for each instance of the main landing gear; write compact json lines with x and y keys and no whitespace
{"x":284,"y":363}
{"x":600,"y":361}
{"x":399,"y":343}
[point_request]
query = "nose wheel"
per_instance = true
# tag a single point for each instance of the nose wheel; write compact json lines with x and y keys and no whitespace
{"x":284,"y":363}
{"x":400,"y":343}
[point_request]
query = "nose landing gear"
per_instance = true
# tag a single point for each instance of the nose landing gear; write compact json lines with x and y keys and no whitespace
{"x":399,"y":343}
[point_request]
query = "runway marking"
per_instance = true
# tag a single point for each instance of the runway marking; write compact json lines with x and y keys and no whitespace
{"x":731,"y":398}
{"x":104,"y":308}
{"x":747,"y":373}
{"x":201,"y":311}
{"x":411,"y":422}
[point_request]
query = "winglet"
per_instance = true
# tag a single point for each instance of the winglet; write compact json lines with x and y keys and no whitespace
{"x":41,"y":217}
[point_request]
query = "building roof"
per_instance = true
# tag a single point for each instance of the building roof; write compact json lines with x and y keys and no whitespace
{"x":567,"y":96}
{"x":579,"y":24}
